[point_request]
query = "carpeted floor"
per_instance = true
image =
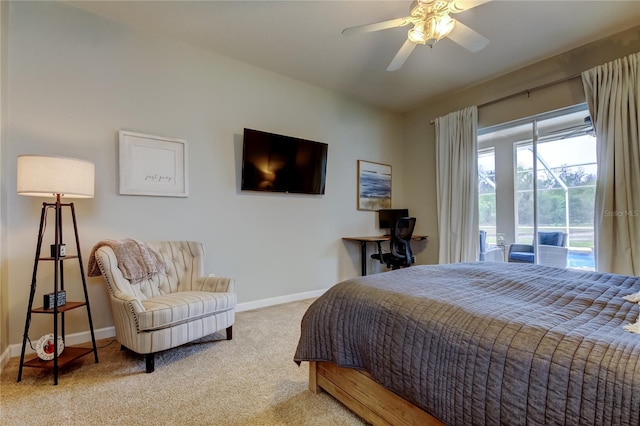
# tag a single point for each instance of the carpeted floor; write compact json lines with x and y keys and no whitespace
{"x":250,"y":380}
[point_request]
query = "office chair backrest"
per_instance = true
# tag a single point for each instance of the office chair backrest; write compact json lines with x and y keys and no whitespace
{"x":401,"y":238}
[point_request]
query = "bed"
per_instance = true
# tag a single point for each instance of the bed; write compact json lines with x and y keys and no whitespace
{"x":478,"y":343}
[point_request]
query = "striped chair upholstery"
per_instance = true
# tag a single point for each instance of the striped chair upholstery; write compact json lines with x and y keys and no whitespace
{"x":169,"y":309}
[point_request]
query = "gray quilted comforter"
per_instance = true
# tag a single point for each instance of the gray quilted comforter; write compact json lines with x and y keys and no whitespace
{"x":488,"y":343}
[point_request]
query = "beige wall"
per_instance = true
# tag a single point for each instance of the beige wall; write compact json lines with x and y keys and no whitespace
{"x":4,"y":300}
{"x":76,"y":79}
{"x":420,"y":174}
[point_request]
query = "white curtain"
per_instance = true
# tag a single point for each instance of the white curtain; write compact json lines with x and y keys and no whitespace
{"x":457,"y":185}
{"x":613,"y":93}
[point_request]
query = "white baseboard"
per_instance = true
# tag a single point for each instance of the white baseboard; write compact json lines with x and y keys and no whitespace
{"x":108,"y":332}
{"x":272,"y":301}
{"x":4,"y":358}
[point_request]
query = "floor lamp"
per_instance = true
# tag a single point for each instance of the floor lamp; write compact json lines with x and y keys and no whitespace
{"x":47,"y":176}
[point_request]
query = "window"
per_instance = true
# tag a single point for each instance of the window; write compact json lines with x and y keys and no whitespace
{"x":487,"y":193}
{"x":544,"y":181}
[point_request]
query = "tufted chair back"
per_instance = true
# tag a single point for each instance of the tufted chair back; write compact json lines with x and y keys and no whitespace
{"x":184,"y":262}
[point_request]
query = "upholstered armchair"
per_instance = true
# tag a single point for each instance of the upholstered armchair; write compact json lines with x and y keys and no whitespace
{"x":552,"y":256}
{"x":166,"y":309}
{"x":551,"y":250}
{"x":489,"y":253}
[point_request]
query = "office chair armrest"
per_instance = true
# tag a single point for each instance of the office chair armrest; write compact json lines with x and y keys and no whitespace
{"x":379,"y":257}
{"x":407,"y":254}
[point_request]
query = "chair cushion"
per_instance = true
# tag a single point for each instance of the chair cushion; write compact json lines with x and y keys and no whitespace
{"x":521,"y":256}
{"x":171,"y":309}
{"x":550,"y":238}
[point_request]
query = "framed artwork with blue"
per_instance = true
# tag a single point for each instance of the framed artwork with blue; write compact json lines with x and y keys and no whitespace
{"x":374,"y":185}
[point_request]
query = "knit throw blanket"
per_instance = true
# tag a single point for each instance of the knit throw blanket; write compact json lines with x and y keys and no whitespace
{"x":136,"y":260}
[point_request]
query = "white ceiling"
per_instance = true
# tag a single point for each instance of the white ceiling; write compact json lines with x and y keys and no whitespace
{"x":302,"y":39}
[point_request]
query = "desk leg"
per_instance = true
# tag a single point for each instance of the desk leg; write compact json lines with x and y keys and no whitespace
{"x":363,"y":257}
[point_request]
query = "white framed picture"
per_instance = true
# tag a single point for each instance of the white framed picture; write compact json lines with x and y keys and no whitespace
{"x":152,"y":165}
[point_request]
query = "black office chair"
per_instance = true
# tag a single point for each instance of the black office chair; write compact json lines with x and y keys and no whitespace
{"x":400,"y":254}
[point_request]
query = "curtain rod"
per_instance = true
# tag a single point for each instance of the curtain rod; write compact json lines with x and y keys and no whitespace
{"x":526,"y":91}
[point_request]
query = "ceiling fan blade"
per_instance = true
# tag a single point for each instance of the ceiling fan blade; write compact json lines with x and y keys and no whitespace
{"x":461,"y":5}
{"x":378,"y":26}
{"x":468,"y":38}
{"x":401,"y":56}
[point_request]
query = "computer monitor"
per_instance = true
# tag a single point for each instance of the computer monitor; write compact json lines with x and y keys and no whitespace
{"x":387,"y":218}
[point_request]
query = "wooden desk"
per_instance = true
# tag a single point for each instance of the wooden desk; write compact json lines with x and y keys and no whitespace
{"x":374,"y":239}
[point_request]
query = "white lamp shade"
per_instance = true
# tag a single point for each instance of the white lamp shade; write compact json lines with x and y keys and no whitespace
{"x":44,"y":176}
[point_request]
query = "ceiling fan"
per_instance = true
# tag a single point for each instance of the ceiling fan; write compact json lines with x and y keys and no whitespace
{"x":431,"y":22}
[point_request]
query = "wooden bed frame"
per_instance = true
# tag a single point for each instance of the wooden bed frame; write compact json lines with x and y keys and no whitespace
{"x":371,"y":401}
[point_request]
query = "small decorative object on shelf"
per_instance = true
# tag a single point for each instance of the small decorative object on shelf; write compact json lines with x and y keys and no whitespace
{"x":62,"y":250}
{"x":44,"y":176}
{"x":49,"y":299}
{"x":45,"y":348}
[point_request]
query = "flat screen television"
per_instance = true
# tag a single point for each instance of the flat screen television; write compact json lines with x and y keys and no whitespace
{"x":277,"y":163}
{"x":387,"y":218}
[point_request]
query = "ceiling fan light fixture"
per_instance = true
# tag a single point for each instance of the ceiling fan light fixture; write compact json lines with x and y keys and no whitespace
{"x":457,"y":6}
{"x":417,"y":34}
{"x":418,"y":11}
{"x":442,"y":26}
{"x":431,"y":22}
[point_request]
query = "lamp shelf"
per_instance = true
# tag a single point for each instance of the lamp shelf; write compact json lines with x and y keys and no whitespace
{"x":69,"y":354}
{"x":57,"y":283}
{"x":66,"y":307}
{"x":60,"y":258}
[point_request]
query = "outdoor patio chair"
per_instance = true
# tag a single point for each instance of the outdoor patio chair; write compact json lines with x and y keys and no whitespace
{"x":551,"y":250}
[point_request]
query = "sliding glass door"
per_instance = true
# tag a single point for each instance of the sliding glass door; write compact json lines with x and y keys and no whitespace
{"x":487,"y":192}
{"x":544,"y":185}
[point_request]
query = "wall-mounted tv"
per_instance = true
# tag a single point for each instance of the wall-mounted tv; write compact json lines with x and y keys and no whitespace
{"x":277,"y":163}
